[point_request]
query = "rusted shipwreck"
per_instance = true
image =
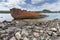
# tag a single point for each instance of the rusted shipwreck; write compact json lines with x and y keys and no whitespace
{"x":24,"y":14}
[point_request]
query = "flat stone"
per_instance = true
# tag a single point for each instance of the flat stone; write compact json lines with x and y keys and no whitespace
{"x":36,"y":34}
{"x":24,"y":31}
{"x":2,"y":25}
{"x":30,"y":27}
{"x":54,"y":29}
{"x":13,"y":38}
{"x":34,"y":39}
{"x":37,"y":27}
{"x":41,"y":31}
{"x":2,"y":32}
{"x":55,"y":34}
{"x":25,"y":38}
{"x":18,"y":35}
{"x":49,"y":33}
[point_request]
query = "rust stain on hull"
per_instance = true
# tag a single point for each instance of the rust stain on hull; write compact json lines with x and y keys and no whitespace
{"x":23,"y":14}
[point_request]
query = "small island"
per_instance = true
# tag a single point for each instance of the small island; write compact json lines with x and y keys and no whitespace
{"x":5,"y":11}
{"x":47,"y":11}
{"x":43,"y":11}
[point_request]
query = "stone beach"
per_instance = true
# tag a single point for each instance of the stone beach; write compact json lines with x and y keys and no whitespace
{"x":30,"y":30}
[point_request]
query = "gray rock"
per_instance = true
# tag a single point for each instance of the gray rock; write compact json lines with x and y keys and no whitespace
{"x":34,"y":38}
{"x":30,"y":27}
{"x":25,"y":32}
{"x":41,"y":31}
{"x":3,"y":26}
{"x":18,"y":29}
{"x":49,"y":33}
{"x":2,"y":32}
{"x":20,"y":23}
{"x":53,"y":29}
{"x":10,"y":29}
{"x":25,"y":38}
{"x":18,"y":35}
{"x":36,"y":34}
{"x":13,"y":38}
{"x":54,"y":34}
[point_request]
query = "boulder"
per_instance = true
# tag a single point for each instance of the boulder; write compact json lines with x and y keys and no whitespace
{"x":24,"y":14}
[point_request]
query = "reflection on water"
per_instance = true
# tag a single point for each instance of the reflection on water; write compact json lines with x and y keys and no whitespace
{"x":4,"y":16}
{"x":52,"y":16}
{"x":8,"y":17}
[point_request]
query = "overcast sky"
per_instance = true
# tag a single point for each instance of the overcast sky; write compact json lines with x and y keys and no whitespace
{"x":34,"y":5}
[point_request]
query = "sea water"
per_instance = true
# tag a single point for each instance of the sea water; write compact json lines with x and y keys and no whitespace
{"x":8,"y":17}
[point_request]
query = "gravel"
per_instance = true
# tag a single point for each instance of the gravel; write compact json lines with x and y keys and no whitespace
{"x":26,"y":30}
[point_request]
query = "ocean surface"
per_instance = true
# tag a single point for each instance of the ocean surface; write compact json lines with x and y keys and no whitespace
{"x":8,"y":17}
{"x":5,"y":16}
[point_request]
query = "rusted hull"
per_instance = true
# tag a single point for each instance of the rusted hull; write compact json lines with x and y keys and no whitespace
{"x":23,"y":14}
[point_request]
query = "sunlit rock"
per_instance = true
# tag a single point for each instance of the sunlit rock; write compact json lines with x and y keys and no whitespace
{"x":23,"y":14}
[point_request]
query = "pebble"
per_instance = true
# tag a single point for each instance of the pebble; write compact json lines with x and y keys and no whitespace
{"x":34,"y":39}
{"x":49,"y":33}
{"x":13,"y":38}
{"x":53,"y":29}
{"x":19,"y":30}
{"x":25,"y":38}
{"x":3,"y":31}
{"x":37,"y":27}
{"x":41,"y":31}
{"x":2,"y":26}
{"x":24,"y":31}
{"x":18,"y":35}
{"x":30,"y":27}
{"x":36,"y":34}
{"x":17,"y":22}
{"x":55,"y":34}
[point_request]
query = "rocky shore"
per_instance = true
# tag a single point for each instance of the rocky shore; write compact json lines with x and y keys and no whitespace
{"x":30,"y":30}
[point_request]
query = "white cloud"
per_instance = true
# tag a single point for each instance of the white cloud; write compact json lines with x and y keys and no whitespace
{"x":10,"y":4}
{"x":15,"y":3}
{"x":54,"y":7}
{"x":36,"y":1}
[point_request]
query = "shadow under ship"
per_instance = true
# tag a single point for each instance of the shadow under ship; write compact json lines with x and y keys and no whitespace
{"x":24,"y":14}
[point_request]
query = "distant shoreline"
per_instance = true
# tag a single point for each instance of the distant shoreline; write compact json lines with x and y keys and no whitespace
{"x":4,"y":11}
{"x":33,"y":11}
